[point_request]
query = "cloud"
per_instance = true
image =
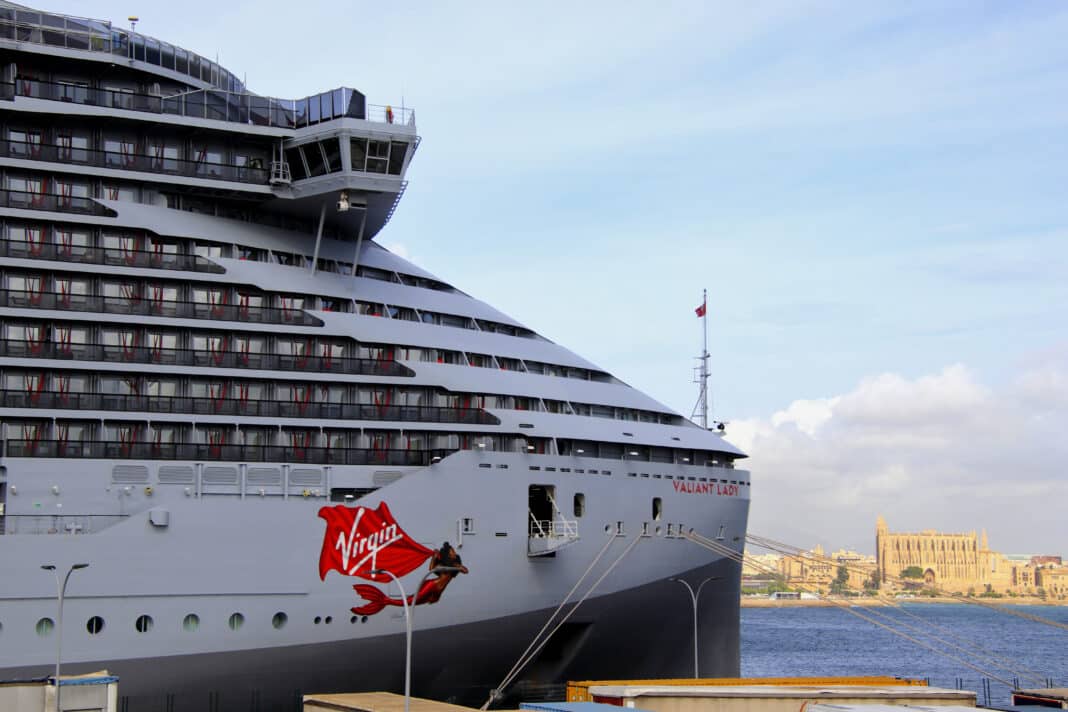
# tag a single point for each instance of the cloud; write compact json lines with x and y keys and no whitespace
{"x":399,"y":249}
{"x":941,"y":451}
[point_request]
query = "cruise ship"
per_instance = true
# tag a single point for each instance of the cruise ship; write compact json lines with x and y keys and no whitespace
{"x":238,"y":427}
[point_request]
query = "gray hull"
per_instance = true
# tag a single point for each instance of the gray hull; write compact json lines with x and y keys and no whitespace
{"x":644,"y":632}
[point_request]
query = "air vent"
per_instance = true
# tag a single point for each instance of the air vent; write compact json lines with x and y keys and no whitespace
{"x":264,"y":476}
{"x":129,"y":474}
{"x":220,"y":475}
{"x":381,"y":478}
{"x":526,"y":425}
{"x":305,"y":476}
{"x":175,"y":475}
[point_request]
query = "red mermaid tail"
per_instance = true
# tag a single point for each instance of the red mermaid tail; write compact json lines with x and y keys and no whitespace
{"x":429,"y":592}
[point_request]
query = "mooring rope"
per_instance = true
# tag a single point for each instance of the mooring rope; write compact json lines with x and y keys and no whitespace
{"x":533,"y":642}
{"x":531,"y":654}
{"x":728,"y":552}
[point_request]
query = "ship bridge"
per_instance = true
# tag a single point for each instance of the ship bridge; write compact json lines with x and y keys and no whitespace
{"x":329,"y":159}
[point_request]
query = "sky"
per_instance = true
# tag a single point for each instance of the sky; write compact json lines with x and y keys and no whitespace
{"x":872,"y":193}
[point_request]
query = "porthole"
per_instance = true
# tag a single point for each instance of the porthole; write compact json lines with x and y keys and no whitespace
{"x":353,"y":619}
{"x":363,"y":620}
{"x":191,"y":622}
{"x":44,"y":626}
{"x":143,"y":624}
{"x":94,"y":625}
{"x":318,"y":620}
{"x":329,"y":620}
{"x":279,"y":620}
{"x":236,"y":621}
{"x":607,"y":528}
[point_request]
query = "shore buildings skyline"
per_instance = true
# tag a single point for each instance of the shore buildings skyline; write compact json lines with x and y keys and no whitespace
{"x":952,"y":562}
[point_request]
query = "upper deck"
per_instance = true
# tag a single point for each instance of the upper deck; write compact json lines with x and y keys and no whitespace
{"x":214,"y":93}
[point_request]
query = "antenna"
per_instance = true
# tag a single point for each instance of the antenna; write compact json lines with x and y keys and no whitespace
{"x":700,"y":410}
{"x":134,"y":19}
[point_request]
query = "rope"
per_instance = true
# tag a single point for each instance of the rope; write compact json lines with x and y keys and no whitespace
{"x":563,"y":603}
{"x":526,"y":661}
{"x":718,"y":548}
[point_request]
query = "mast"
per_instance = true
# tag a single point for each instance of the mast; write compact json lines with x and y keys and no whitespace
{"x":700,"y":410}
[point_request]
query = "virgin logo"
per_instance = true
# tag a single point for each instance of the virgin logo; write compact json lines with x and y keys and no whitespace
{"x":356,"y":544}
{"x":359,"y":540}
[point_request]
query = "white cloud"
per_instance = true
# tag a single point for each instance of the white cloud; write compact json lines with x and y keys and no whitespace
{"x":941,"y":451}
{"x":399,"y":249}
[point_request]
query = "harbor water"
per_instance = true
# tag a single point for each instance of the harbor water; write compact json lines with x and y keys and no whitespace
{"x":794,"y":641}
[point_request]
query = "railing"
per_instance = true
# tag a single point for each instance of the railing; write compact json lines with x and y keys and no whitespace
{"x":107,"y":256}
{"x":53,"y":202}
{"x":82,"y":33}
{"x":132,"y":162}
{"x":202,"y":358}
{"x":233,"y":453}
{"x":553,"y":528}
{"x":146,"y":306}
{"x":220,"y":105}
{"x":60,"y":523}
{"x":244,"y":407}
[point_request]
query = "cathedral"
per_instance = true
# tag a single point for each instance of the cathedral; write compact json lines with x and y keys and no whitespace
{"x":951,"y":562}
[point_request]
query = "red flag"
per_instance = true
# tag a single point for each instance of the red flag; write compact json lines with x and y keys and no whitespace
{"x":701,"y":309}
{"x":359,"y":540}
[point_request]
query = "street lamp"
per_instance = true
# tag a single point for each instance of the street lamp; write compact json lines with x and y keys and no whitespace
{"x":693,"y":597}
{"x":408,"y":622}
{"x":61,"y":590}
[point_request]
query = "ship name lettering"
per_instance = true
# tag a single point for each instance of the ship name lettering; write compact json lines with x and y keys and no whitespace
{"x":705,"y":488}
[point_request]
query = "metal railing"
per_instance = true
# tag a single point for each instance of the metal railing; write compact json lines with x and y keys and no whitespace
{"x":148,"y":306}
{"x":221,"y":105}
{"x":202,"y":358}
{"x":246,"y":407}
{"x":53,"y":202}
{"x":207,"y":451}
{"x":89,"y":35}
{"x":553,"y":528}
{"x":84,"y":254}
{"x":133,"y":162}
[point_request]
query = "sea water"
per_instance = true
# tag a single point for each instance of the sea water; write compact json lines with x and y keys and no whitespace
{"x":1004,"y":649}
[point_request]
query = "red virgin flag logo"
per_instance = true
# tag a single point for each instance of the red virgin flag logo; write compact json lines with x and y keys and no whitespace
{"x":359,"y":540}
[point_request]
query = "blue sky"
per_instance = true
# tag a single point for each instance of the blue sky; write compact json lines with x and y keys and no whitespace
{"x":865,"y":189}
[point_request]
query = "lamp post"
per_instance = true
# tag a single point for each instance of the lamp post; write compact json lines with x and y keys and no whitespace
{"x":61,"y":590}
{"x":408,"y":623}
{"x":693,"y":597}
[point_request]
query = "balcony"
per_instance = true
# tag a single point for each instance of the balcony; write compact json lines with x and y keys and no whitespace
{"x":52,"y":202}
{"x":137,"y":305}
{"x":244,"y":407}
{"x":107,"y":256}
{"x":202,"y":358}
{"x":160,"y":165}
{"x":219,"y":105}
{"x":111,"y":450}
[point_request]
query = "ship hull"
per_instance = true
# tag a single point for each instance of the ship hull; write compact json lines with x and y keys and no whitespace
{"x":641,"y":633}
{"x":220,"y":555}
